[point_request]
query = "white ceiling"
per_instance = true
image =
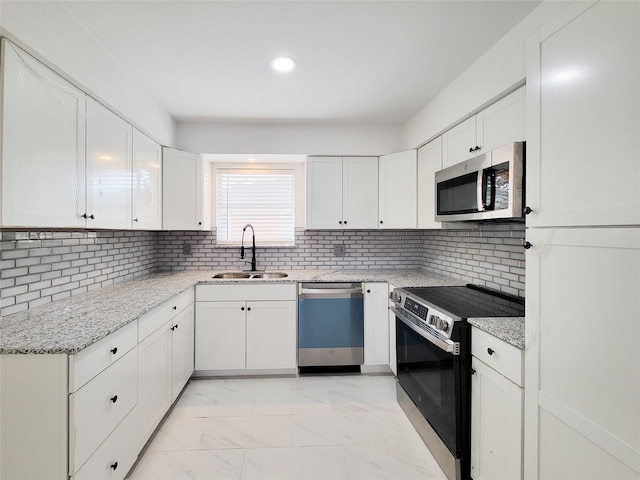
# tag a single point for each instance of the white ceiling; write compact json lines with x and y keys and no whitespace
{"x":365,"y":62}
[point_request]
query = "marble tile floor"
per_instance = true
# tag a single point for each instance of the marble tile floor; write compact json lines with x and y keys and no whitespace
{"x":309,"y":427}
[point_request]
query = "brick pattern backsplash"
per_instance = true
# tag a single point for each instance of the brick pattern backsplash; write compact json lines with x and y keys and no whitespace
{"x":37,"y":268}
{"x":489,"y":254}
{"x":313,"y":250}
{"x":41,"y":267}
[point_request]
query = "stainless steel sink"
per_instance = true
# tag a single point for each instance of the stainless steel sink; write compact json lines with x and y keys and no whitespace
{"x":270,"y":275}
{"x":232,"y":275}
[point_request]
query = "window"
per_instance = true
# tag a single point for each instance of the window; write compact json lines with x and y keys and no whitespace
{"x":263,"y":198}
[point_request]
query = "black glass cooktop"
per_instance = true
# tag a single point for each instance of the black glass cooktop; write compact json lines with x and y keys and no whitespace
{"x":470,"y":301}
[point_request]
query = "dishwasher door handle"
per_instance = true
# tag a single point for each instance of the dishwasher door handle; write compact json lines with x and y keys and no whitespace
{"x":318,"y":291}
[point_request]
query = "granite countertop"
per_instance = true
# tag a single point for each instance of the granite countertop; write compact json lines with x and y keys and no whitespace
{"x":509,"y":329}
{"x":68,"y":326}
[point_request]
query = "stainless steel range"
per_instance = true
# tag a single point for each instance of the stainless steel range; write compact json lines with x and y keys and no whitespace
{"x":433,"y":344}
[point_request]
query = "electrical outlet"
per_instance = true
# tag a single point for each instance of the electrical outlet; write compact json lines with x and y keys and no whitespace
{"x":186,"y":248}
{"x":338,"y":250}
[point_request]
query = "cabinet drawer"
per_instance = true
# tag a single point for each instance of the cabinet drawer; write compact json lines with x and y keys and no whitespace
{"x":498,"y":354}
{"x":151,"y":321}
{"x":115,"y":457}
{"x":261,"y":291}
{"x":99,"y":406}
{"x":89,"y":362}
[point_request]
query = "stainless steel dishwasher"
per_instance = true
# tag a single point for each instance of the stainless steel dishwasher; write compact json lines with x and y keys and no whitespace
{"x":330,"y":324}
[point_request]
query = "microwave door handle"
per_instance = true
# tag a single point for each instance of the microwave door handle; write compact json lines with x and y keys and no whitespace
{"x":488,"y":189}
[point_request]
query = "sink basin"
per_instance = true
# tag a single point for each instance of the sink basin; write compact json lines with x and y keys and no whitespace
{"x":270,"y":275}
{"x":232,"y":275}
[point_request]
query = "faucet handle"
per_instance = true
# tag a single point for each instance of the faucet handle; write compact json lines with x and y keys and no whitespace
{"x":241,"y":252}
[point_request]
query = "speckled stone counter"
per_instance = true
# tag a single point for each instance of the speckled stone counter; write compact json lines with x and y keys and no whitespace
{"x":68,"y":326}
{"x":509,"y":329}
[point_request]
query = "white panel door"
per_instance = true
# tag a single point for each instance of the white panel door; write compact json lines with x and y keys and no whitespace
{"x":582,"y":363}
{"x":184,"y":183}
{"x":583,"y":154}
{"x":398,"y":195}
{"x":271,"y":335}
{"x":220,"y":335}
{"x":43,"y":145}
{"x":459,"y":143}
{"x":109,"y":169}
{"x":429,"y":162}
{"x":376,"y":324}
{"x":182,"y":350}
{"x":360,"y":192}
{"x":502,"y":123}
{"x":324,"y":192}
{"x":496,"y":425}
{"x":147,"y":183}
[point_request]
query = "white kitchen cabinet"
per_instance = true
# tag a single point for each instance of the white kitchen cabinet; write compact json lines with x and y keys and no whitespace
{"x":147,"y":183}
{"x":499,"y":124}
{"x":429,"y":162}
{"x":497,"y":397}
{"x":186,"y":191}
{"x":109,"y":169}
{"x":398,"y":195}
{"x":340,"y":193}
{"x":246,"y":328}
{"x":43,"y":145}
{"x":583,"y":157}
{"x":376,"y":324}
{"x":182,"y":350}
{"x":393,"y":356}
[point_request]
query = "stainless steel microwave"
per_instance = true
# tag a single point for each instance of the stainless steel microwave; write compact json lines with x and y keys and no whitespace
{"x":489,"y":186}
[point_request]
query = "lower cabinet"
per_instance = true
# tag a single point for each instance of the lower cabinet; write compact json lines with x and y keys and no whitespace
{"x":376,"y":324}
{"x":497,"y":397}
{"x":245,"y":328}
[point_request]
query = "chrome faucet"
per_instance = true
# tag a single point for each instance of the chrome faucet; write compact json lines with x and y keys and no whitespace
{"x":253,"y":246}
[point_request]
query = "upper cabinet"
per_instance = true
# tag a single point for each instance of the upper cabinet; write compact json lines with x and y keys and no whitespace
{"x":429,"y":162}
{"x":108,"y":171}
{"x":398,"y":190}
{"x":147,"y":183}
{"x":583,"y":157}
{"x":43,"y":145}
{"x":340,"y":193}
{"x":186,"y":191}
{"x":495,"y":126}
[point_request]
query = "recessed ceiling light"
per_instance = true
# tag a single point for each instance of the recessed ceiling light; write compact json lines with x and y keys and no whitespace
{"x":283,"y":64}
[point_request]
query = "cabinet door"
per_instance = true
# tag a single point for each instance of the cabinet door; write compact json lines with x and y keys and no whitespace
{"x":154,"y":381}
{"x":583,"y":150}
{"x":182,"y":350}
{"x":502,"y":123}
{"x":147,"y":183}
{"x":429,"y":162}
{"x":109,"y":169}
{"x":43,"y":145}
{"x":376,"y":324}
{"x":324,"y":192}
{"x":458,"y":144}
{"x":220,"y":336}
{"x":271,"y":335}
{"x":360,"y":192}
{"x":398,"y":190}
{"x":184,"y":183}
{"x":496,"y":425}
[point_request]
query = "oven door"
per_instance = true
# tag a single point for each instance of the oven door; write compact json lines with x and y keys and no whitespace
{"x":436,"y":382}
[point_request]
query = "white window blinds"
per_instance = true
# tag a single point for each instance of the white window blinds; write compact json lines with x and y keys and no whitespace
{"x":263,"y":198}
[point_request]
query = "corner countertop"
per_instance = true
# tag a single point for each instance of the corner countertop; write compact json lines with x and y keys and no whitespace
{"x":509,"y":329}
{"x":68,"y":326}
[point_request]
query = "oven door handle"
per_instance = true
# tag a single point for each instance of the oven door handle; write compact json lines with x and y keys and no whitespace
{"x":446,"y":345}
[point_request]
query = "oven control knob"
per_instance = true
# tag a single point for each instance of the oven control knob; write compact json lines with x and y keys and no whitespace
{"x":443,"y":325}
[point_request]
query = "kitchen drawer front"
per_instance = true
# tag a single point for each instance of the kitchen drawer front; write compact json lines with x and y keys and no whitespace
{"x":89,"y":362}
{"x":115,"y":457}
{"x":151,"y":321}
{"x":256,"y":291}
{"x":498,"y":354}
{"x":99,"y":406}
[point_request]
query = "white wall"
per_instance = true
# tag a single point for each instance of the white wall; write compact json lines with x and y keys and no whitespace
{"x":47,"y":31}
{"x":500,"y":69}
{"x":298,"y":138}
